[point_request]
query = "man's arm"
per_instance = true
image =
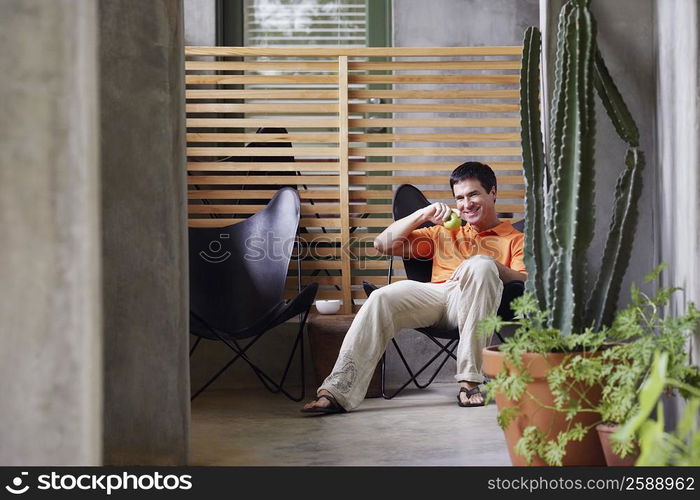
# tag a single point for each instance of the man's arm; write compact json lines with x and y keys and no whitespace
{"x":392,"y":241}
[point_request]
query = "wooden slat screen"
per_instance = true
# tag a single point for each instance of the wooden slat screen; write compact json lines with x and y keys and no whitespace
{"x":346,"y":127}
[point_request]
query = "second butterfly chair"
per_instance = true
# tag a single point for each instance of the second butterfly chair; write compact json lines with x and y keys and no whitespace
{"x":407,"y":200}
{"x":237,"y":280}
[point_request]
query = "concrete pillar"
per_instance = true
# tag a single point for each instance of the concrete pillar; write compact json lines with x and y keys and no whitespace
{"x":678,"y":79}
{"x":146,"y":417}
{"x":50,"y":359}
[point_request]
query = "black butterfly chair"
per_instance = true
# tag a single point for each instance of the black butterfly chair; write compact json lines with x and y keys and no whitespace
{"x":237,"y":280}
{"x":407,"y":200}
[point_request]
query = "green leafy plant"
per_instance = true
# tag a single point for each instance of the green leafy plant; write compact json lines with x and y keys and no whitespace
{"x":560,"y":183}
{"x":680,"y":447}
{"x":615,"y":362}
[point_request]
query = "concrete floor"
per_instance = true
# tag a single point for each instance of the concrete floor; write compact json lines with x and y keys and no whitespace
{"x":253,"y":427}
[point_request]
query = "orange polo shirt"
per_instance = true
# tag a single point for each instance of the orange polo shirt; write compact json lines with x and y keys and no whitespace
{"x":449,"y":248}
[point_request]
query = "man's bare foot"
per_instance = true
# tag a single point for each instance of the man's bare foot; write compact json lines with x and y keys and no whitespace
{"x":319,"y":402}
{"x":475,"y":399}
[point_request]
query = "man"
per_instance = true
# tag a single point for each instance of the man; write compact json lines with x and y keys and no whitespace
{"x":470,"y":266}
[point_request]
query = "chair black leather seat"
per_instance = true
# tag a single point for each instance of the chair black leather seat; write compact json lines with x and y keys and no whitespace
{"x":237,"y":279}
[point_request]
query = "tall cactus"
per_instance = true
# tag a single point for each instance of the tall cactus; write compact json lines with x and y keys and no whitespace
{"x":560,"y":214}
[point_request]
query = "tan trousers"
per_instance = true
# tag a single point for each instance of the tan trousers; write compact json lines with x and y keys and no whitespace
{"x":412,"y":304}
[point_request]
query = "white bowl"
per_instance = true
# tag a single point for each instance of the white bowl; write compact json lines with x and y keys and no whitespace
{"x":328,"y":306}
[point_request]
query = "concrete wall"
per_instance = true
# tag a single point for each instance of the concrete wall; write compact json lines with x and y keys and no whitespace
{"x":627,"y":45}
{"x":678,"y":175}
{"x":451,"y":23}
{"x":144,"y":238}
{"x":50,"y":359}
{"x":200,"y":22}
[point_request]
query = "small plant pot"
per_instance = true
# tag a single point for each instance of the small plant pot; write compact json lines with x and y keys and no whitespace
{"x":586,"y":452}
{"x":611,"y":459}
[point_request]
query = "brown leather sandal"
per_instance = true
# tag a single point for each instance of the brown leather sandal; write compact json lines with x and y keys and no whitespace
{"x":334,"y":406}
{"x":470,"y":392}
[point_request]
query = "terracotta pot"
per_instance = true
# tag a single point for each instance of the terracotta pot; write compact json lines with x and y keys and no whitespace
{"x":586,"y":452}
{"x":611,"y":459}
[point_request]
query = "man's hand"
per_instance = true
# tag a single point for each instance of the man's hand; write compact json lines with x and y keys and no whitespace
{"x":437,"y":213}
{"x":459,"y":272}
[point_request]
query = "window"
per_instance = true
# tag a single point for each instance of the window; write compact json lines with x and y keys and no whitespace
{"x":305,"y":23}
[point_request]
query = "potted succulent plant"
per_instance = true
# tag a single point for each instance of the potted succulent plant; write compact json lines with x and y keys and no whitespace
{"x":597,"y":388}
{"x":568,"y":312}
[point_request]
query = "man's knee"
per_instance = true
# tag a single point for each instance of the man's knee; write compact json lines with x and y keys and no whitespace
{"x":482,"y":266}
{"x":381,"y":296}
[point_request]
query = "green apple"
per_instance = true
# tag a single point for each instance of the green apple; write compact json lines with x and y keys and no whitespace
{"x":454,"y":223}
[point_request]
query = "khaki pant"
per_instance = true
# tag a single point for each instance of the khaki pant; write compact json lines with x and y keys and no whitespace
{"x":412,"y":304}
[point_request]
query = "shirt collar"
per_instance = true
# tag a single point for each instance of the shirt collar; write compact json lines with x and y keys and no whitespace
{"x":502,"y":229}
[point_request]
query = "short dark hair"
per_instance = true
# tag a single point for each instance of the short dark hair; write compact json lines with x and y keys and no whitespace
{"x":474,"y":170}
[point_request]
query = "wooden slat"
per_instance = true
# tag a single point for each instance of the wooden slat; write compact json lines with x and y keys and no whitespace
{"x":263,"y":122}
{"x":212,"y":222}
{"x":276,"y":108}
{"x":321,"y":280}
{"x":306,"y":210}
{"x":335,"y":280}
{"x":514,"y":50}
{"x":268,"y":66}
{"x":298,"y":138}
{"x":319,"y":264}
{"x":343,"y":155}
{"x":438,"y":79}
{"x":426,"y":166}
{"x":506,"y":194}
{"x":433,"y":65}
{"x":367,"y":222}
{"x":435,"y":151}
{"x":454,"y":137}
{"x":435,"y":108}
{"x":263,"y":179}
{"x":256,"y":194}
{"x":327,"y":222}
{"x":371,"y":264}
{"x":370,"y":209}
{"x":265,"y":94}
{"x":194,"y":151}
{"x":441,"y":180}
{"x":320,"y":151}
{"x":356,"y":252}
{"x":317,"y":237}
{"x":233,"y":166}
{"x":260,"y":79}
{"x":434,"y":122}
{"x":436,"y":94}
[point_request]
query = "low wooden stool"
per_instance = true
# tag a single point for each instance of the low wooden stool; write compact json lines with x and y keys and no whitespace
{"x":326,"y":333}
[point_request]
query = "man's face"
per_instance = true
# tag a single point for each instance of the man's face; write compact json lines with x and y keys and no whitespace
{"x":475,"y":205}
